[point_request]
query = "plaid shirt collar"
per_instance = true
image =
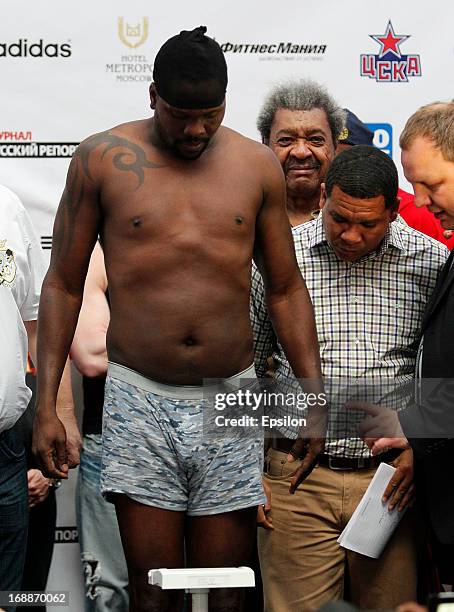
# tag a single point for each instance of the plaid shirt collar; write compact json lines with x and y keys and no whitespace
{"x":317,"y":236}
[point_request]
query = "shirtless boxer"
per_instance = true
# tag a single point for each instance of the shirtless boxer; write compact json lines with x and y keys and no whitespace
{"x":181,"y":205}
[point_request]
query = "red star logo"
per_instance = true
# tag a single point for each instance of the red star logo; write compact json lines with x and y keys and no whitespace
{"x":389,"y":41}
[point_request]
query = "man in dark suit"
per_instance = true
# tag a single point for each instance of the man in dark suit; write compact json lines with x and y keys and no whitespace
{"x":427,"y":144}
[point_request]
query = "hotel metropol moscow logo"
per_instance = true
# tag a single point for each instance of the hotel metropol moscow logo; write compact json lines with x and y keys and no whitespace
{"x":131,"y":66}
{"x":133,"y":35}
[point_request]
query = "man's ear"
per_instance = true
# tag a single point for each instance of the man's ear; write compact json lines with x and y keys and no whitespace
{"x":394,"y":210}
{"x":153,"y":96}
{"x":322,"y":201}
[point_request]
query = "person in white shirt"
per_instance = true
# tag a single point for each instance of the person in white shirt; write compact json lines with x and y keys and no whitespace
{"x":22,"y":270}
{"x":21,"y":273}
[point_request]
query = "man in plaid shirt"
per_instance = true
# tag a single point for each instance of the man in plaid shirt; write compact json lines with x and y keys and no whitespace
{"x":369,"y":277}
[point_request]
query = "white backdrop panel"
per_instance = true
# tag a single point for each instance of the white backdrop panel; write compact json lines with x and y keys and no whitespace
{"x":64,"y":99}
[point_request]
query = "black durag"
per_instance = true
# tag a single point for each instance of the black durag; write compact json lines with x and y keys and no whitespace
{"x":190,"y":71}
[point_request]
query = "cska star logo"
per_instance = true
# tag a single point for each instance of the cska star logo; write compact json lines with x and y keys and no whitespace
{"x":390,"y":65}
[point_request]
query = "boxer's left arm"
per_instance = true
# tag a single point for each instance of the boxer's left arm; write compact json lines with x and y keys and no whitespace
{"x":290,"y":309}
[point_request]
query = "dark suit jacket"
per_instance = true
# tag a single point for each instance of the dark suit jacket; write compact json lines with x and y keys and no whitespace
{"x":429,"y":422}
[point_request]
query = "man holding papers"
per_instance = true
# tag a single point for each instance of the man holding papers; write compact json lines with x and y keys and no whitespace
{"x":369,"y":276}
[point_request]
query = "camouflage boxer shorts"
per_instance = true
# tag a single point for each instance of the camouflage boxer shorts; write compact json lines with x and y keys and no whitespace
{"x":155,"y":452}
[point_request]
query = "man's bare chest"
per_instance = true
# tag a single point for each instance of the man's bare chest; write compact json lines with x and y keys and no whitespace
{"x":169,"y":202}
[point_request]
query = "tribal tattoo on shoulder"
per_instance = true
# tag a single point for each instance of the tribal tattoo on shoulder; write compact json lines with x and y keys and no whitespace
{"x":121,"y":160}
{"x":131,"y":158}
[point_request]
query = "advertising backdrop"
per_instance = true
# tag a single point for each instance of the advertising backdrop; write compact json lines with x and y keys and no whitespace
{"x":71,"y":69}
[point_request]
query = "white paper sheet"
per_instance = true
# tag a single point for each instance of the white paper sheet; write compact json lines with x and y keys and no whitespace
{"x":372,"y":524}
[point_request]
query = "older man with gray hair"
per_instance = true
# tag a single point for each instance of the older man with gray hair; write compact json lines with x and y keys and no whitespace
{"x":301,"y":123}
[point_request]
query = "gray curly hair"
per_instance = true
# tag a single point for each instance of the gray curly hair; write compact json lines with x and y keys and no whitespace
{"x":303,"y":94}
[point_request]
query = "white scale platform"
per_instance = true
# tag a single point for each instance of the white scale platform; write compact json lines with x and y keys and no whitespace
{"x":199,"y":580}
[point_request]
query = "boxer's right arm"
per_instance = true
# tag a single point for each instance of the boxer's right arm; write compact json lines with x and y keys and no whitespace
{"x":75,"y":232}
